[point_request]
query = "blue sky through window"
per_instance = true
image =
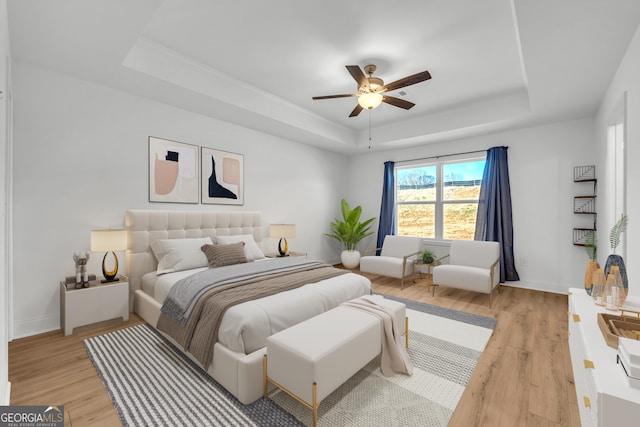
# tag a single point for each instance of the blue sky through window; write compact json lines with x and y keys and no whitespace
{"x":466,"y":171}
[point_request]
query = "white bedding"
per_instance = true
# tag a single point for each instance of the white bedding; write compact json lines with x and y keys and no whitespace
{"x":245,"y":327}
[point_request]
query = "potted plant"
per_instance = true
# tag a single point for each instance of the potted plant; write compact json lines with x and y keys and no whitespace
{"x":591,"y":246}
{"x":427,"y":256}
{"x":614,"y":259}
{"x":349,"y":231}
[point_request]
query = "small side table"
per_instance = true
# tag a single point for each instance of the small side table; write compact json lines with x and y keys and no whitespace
{"x":418,"y":265}
{"x":102,"y":301}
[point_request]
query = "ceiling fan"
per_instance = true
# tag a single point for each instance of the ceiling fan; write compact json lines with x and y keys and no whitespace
{"x":370,"y":89}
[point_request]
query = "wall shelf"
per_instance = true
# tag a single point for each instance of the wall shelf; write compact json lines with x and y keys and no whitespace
{"x":580,"y":235}
{"x":585,"y":205}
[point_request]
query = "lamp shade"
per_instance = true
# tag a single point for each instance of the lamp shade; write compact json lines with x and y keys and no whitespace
{"x":282,"y":230}
{"x":108,"y":240}
{"x":370,"y":100}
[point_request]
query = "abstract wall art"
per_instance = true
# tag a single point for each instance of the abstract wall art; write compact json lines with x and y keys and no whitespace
{"x":222,"y":177}
{"x":173,"y":171}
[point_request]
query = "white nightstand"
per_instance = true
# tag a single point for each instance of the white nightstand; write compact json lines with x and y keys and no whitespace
{"x":290,"y":253}
{"x":103,"y":301}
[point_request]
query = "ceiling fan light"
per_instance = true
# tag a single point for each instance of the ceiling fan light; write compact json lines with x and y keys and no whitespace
{"x":375,"y":84}
{"x":370,"y":100}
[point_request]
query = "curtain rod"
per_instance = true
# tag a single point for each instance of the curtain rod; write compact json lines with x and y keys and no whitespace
{"x":445,"y":155}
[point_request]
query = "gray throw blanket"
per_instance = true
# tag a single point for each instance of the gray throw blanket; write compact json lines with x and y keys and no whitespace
{"x":199,"y":331}
{"x":184,"y":294}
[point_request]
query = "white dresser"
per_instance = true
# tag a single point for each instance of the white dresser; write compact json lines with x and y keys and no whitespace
{"x":604,"y":395}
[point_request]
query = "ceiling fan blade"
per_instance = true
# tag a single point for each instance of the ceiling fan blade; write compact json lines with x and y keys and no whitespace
{"x":358,"y":76}
{"x":346,"y":95}
{"x":356,"y":111}
{"x":397,"y":102}
{"x":407,"y":81}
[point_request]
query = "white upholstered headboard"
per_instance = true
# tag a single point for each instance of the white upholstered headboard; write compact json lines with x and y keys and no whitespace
{"x":144,"y":227}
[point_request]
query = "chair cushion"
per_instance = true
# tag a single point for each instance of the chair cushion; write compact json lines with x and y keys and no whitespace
{"x":399,"y":246}
{"x":474,"y":253}
{"x":463,"y":277}
{"x":385,"y":265}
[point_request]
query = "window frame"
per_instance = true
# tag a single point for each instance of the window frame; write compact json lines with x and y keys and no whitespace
{"x":439,"y":201}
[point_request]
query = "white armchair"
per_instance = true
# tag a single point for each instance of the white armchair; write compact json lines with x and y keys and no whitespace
{"x":396,"y":258}
{"x":473,"y":266}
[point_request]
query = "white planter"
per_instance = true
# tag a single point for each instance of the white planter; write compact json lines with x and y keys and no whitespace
{"x":350,"y":259}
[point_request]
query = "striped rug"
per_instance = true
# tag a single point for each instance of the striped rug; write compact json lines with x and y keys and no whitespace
{"x":152,"y":383}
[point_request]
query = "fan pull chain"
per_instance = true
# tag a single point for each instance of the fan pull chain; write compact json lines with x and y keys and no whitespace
{"x":369,"y":129}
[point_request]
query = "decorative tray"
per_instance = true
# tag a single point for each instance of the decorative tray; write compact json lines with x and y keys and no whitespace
{"x":613,"y":326}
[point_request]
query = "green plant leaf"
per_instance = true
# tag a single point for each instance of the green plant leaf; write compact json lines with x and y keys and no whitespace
{"x":427,"y":256}
{"x":349,"y":231}
{"x":617,"y":230}
{"x":591,"y":244}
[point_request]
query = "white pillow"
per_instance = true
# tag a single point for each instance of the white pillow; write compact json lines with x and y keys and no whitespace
{"x":180,"y":254}
{"x":251,"y":249}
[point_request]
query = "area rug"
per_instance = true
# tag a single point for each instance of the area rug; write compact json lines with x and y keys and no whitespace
{"x":150,"y":382}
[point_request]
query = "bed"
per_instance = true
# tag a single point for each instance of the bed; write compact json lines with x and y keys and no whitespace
{"x":236,"y":356}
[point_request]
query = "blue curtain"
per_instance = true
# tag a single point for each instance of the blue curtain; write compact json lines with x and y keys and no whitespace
{"x":386,"y":224}
{"x":494,"y":220}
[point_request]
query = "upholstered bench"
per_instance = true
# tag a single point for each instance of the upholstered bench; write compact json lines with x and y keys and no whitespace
{"x":313,"y":358}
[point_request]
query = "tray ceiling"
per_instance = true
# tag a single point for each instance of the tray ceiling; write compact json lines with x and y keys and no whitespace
{"x":496,"y":64}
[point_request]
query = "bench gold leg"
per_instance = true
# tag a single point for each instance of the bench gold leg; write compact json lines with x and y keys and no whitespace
{"x":406,"y":332}
{"x":264,"y":376}
{"x":314,"y":390}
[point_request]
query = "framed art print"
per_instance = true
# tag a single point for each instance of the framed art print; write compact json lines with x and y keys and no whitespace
{"x":173,"y":171}
{"x":222,"y":177}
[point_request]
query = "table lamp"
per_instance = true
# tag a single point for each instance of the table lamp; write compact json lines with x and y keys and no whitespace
{"x":282,"y":231}
{"x":109,"y":241}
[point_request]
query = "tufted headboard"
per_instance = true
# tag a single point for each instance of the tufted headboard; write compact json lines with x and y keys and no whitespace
{"x":144,"y":227}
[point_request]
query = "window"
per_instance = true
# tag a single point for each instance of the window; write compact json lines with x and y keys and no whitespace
{"x":438,"y":200}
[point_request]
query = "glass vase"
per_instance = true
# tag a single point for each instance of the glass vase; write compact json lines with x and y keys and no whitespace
{"x":592,"y":266}
{"x":598,"y":287}
{"x":611,"y":297}
{"x":621,"y":290}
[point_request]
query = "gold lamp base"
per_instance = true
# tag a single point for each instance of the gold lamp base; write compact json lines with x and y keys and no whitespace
{"x":283,"y":247}
{"x":109,"y":276}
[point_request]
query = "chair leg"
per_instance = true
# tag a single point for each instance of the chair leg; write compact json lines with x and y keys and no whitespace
{"x":491,"y":293}
{"x":402,"y":283}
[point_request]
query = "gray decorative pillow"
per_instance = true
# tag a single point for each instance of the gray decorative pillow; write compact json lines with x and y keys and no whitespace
{"x":221,"y":255}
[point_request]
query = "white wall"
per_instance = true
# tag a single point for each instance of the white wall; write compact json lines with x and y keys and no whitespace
{"x":5,"y":203}
{"x":81,"y":160}
{"x":541,"y":161}
{"x":625,"y":80}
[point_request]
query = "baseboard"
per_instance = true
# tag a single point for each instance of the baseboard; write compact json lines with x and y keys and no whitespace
{"x":31,"y":327}
{"x":555,"y":288}
{"x":5,"y":394}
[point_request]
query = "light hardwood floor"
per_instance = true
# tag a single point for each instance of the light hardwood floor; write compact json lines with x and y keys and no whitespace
{"x":523,"y":378}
